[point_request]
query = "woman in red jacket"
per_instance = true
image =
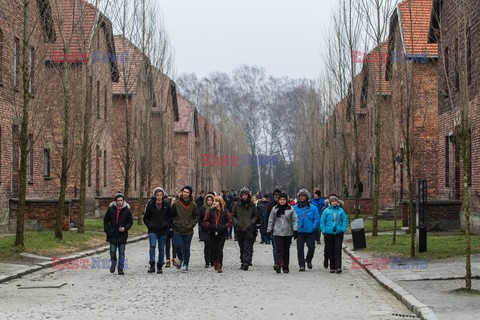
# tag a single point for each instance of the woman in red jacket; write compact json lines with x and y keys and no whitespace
{"x":217,"y":221}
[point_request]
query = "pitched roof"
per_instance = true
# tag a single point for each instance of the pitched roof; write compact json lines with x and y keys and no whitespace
{"x":130,"y":69}
{"x":414,"y":20}
{"x":374,"y":68}
{"x":185,"y":110}
{"x":77,"y":18}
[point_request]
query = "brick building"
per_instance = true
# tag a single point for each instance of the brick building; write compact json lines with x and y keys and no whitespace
{"x":46,"y":106}
{"x":186,"y":131}
{"x":413,"y":86}
{"x":446,"y":28}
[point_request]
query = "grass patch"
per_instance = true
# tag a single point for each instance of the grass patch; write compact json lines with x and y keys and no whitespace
{"x":383,"y":225}
{"x":44,"y":242}
{"x":438,"y":246}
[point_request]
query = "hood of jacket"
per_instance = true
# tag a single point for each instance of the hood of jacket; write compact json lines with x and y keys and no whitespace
{"x":125,"y":204}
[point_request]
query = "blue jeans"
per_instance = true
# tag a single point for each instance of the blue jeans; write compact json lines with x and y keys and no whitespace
{"x":153,"y":238}
{"x":182,"y":246}
{"x":121,"y":254}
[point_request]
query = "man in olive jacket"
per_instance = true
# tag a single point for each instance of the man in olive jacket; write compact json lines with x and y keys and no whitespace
{"x":116,"y":223}
{"x":244,"y":213}
{"x":185,"y":217}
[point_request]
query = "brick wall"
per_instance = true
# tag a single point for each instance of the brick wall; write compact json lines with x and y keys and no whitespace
{"x":441,"y":214}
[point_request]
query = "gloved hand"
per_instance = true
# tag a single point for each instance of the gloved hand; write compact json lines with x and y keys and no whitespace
{"x":295,"y":235}
{"x":269,"y":234}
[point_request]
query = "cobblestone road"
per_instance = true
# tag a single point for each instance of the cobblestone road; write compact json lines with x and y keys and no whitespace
{"x":201,"y":293}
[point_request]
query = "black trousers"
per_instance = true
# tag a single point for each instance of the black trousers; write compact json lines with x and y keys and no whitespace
{"x":282,"y":257}
{"x":216,"y":247}
{"x":207,"y":252}
{"x":309,"y":239}
{"x":333,"y":243}
{"x":169,"y":244}
{"x":245,"y":242}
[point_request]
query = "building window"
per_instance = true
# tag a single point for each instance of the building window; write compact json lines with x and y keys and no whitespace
{"x":89,"y":167}
{"x":457,"y":65}
{"x":469,"y":57}
{"x":469,"y":154}
{"x":447,"y":161}
{"x":447,"y":71}
{"x":1,"y":56}
{"x":47,"y":21}
{"x":106,"y":104}
{"x":46,"y":163}
{"x":98,"y":99}
{"x":30,"y":158}
{"x":104,"y":168}
{"x":31,"y":67}
{"x":16,"y":54}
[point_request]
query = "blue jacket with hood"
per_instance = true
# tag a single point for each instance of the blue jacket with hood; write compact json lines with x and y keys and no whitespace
{"x":308,"y":218}
{"x":333,"y":216}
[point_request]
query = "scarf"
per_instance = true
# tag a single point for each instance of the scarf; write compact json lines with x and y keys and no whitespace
{"x":281,"y":209}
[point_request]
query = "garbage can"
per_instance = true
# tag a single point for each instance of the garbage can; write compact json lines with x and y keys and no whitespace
{"x":358,"y":234}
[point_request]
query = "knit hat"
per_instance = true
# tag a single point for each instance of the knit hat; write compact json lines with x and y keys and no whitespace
{"x":318,"y":193}
{"x":333,"y":198}
{"x":188,"y":188}
{"x":157,"y":189}
{"x":119,"y":195}
{"x":278,"y":191}
{"x":303,"y":192}
{"x":283,"y":195}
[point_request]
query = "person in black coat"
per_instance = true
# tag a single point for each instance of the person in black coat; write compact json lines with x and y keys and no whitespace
{"x":158,"y":217}
{"x":203,"y":232}
{"x":116,"y":223}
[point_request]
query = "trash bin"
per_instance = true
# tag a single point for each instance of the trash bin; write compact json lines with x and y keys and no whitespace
{"x":358,"y":234}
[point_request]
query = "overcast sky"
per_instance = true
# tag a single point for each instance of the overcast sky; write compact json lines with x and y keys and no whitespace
{"x":283,"y":36}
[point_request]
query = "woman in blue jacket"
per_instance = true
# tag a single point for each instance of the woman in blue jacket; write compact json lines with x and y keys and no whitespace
{"x":308,"y":224}
{"x":333,"y":224}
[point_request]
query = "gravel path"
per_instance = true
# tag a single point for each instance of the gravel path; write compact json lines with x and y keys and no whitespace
{"x":201,"y":293}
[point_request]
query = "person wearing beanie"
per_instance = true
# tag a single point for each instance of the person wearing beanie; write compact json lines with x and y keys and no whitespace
{"x":270,"y":206}
{"x":203,"y":231}
{"x":308,"y":224}
{"x":334,"y":224}
{"x":282,"y":223}
{"x":185,"y":217}
{"x":318,"y":202}
{"x":245,"y":216}
{"x":116,"y":223}
{"x":158,"y":217}
{"x":217,"y":221}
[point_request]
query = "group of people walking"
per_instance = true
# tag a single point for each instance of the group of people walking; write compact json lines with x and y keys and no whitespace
{"x":279,"y":220}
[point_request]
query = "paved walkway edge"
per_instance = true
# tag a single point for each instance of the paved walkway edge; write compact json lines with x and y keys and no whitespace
{"x":78,"y":255}
{"x":421,"y":310}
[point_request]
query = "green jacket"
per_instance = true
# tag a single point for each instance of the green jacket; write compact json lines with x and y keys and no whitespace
{"x":185,"y":216}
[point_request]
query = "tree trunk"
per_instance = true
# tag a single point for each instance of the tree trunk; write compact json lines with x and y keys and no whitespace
{"x":22,"y":207}
{"x":64,"y":172}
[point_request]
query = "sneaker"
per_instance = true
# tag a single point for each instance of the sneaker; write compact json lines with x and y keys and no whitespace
{"x":275,"y":267}
{"x":309,"y":265}
{"x":167,"y":263}
{"x":302,"y":269}
{"x":285,"y":270}
{"x":332,"y":270}
{"x":208,"y":265}
{"x":339,"y":271}
{"x":179,"y":264}
{"x":325,"y":264}
{"x":185,"y":269}
{"x":120,"y":272}
{"x":245,"y":266}
{"x":112,"y":269}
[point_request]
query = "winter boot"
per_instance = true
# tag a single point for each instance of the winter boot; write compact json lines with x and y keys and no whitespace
{"x":219,"y":267}
{"x":152,"y":267}
{"x":159,"y":268}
